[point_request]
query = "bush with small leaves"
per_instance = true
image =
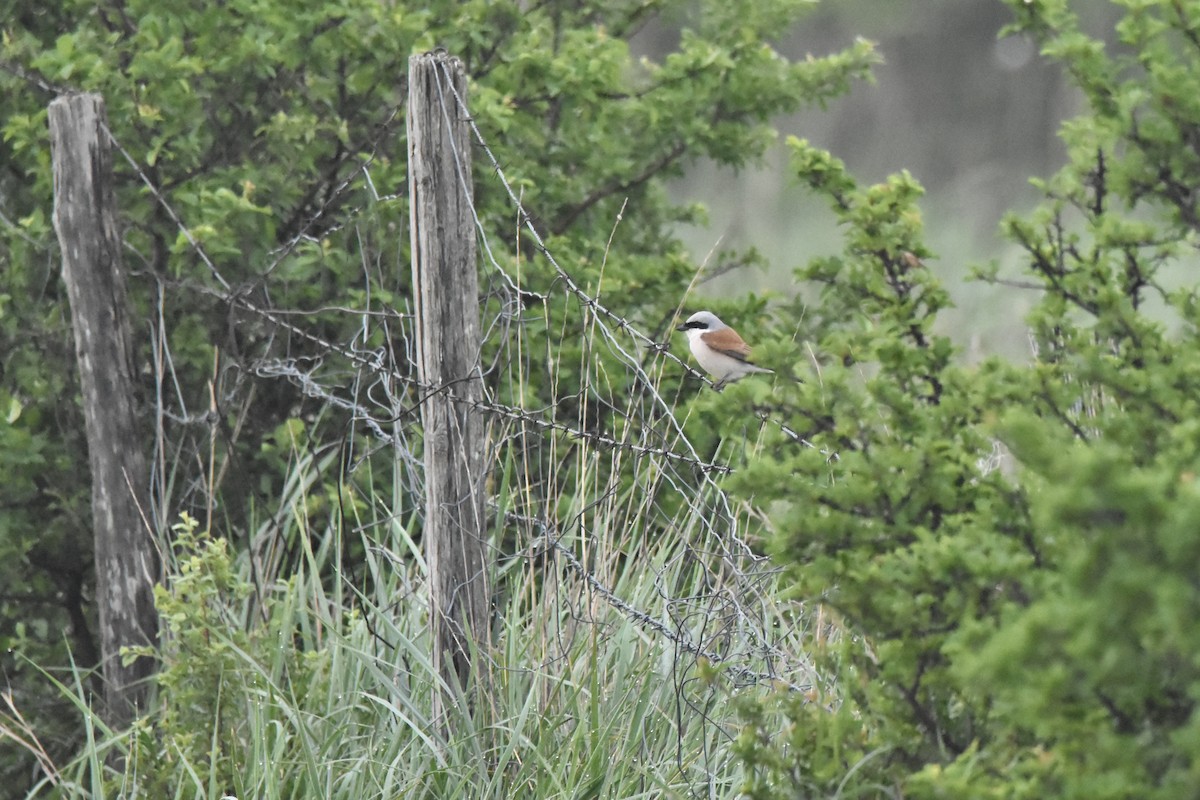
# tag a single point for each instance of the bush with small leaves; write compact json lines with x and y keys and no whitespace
{"x":1028,"y":630}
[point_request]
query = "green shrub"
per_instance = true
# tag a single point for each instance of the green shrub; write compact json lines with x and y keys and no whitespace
{"x":274,"y":132}
{"x":1019,"y":621}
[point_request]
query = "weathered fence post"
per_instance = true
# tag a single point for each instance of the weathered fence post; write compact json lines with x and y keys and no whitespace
{"x":446,"y":291}
{"x":85,"y":218}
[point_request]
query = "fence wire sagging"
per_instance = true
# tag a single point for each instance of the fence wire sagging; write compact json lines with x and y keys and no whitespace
{"x":594,"y":485}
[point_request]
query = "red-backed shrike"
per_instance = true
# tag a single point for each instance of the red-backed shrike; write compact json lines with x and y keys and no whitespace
{"x":718,"y":348}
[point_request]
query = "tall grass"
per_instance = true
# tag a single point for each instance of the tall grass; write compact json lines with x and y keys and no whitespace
{"x":286,"y":674}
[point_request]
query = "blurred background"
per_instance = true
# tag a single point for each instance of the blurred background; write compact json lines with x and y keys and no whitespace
{"x":973,"y":116}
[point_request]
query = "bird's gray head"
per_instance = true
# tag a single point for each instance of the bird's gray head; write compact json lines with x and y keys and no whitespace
{"x":702,"y":321}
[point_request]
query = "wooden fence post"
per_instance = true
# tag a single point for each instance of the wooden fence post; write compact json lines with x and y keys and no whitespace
{"x":446,"y":292}
{"x":85,"y":218}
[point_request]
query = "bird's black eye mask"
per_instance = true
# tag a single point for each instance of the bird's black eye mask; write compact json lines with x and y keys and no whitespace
{"x":697,"y":324}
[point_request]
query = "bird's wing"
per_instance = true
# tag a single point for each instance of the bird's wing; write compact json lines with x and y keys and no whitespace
{"x":727,"y":342}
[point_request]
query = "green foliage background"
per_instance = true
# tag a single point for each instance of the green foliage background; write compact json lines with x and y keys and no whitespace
{"x":1010,"y":547}
{"x":275,"y":131}
{"x":1008,"y":550}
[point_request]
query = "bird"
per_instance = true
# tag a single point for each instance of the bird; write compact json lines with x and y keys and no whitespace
{"x":723,"y":354}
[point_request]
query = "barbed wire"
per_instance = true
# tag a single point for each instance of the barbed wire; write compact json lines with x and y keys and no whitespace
{"x":281,"y":368}
{"x":588,"y":301}
{"x":718,"y":610}
{"x":551,"y":539}
{"x":724,"y":621}
{"x":36,"y":79}
{"x":374,"y":362}
{"x":645,"y":382}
